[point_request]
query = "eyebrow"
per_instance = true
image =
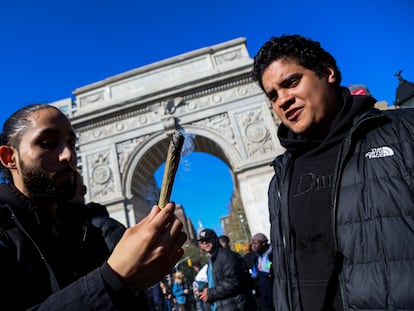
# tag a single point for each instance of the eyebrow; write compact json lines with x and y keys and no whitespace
{"x":284,"y":83}
{"x":54,"y":131}
{"x":287,"y":80}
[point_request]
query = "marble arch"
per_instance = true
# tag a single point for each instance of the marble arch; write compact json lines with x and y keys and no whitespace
{"x":124,"y":123}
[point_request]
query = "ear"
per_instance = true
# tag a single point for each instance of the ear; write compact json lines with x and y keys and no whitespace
{"x":330,"y":74}
{"x":7,"y":156}
{"x":83,"y":190}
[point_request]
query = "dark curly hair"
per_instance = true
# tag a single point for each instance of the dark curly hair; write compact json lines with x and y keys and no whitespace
{"x":14,"y":128}
{"x":305,"y":52}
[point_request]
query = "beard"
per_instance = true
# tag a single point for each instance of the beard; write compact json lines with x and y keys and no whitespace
{"x":42,"y":188}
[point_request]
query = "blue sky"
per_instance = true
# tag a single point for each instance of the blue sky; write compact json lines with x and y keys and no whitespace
{"x":50,"y":48}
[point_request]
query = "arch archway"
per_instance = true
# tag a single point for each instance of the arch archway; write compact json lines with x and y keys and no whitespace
{"x":148,"y":157}
{"x":124,"y":123}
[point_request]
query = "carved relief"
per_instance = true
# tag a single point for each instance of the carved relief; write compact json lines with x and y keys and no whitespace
{"x":228,"y":57}
{"x":92,"y":98}
{"x":101,"y":179}
{"x":242,"y":91}
{"x":142,"y":119}
{"x":168,"y":107}
{"x":216,"y":98}
{"x":119,"y":126}
{"x":229,"y":95}
{"x":192,"y":106}
{"x":220,"y":123}
{"x":256,"y":135}
{"x":96,"y":133}
{"x":124,"y":150}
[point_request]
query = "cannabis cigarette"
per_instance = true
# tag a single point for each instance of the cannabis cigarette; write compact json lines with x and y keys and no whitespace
{"x":171,"y":166}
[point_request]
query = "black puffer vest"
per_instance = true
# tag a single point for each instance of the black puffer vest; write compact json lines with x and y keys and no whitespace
{"x":372,"y":211}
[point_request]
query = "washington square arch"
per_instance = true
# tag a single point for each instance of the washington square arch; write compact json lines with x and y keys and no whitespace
{"x":124,"y":124}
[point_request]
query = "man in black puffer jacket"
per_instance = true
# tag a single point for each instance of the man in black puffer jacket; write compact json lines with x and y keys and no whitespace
{"x":341,"y":200}
{"x":228,"y":279}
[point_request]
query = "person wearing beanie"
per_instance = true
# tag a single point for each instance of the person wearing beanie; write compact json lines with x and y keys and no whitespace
{"x":228,"y":284}
{"x":262,"y":270}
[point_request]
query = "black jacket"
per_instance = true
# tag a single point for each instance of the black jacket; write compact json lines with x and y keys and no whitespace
{"x":46,"y":265}
{"x":231,"y":288}
{"x":263,"y":279}
{"x":111,"y":229}
{"x":372,"y":215}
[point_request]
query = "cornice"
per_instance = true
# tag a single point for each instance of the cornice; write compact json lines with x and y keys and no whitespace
{"x":141,"y":107}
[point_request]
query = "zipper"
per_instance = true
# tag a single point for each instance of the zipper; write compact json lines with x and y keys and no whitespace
{"x":286,"y":248}
{"x":54,"y":283}
{"x":346,"y":145}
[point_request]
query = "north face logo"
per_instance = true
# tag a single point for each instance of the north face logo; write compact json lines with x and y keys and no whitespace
{"x":380,"y":152}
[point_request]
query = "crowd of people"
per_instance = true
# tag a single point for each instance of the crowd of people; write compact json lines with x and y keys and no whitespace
{"x":227,"y":281}
{"x":340,"y":203}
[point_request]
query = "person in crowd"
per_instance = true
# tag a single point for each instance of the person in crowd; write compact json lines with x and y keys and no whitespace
{"x":224,"y":241}
{"x":158,"y":297}
{"x":166,"y":291}
{"x":228,"y":287}
{"x":341,"y":199}
{"x":248,"y":255}
{"x":112,"y":229}
{"x":51,"y":257}
{"x":180,"y":291}
{"x":263,"y":271}
{"x":200,"y":282}
{"x":249,"y":260}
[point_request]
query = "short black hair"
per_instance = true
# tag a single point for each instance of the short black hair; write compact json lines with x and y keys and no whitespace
{"x":305,"y":52}
{"x":13,"y":129}
{"x":224,"y":238}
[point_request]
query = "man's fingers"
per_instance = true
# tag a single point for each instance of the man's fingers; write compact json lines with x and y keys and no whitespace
{"x":164,"y":217}
{"x":179,"y":240}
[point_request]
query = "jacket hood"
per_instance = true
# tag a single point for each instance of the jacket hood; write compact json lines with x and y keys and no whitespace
{"x":13,"y":197}
{"x":68,"y":213}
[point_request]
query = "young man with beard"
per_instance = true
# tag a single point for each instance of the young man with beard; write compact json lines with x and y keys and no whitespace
{"x":341,"y":200}
{"x":51,"y":257}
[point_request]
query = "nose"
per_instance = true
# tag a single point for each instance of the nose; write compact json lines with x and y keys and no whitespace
{"x":285,"y":99}
{"x":67,"y":153}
